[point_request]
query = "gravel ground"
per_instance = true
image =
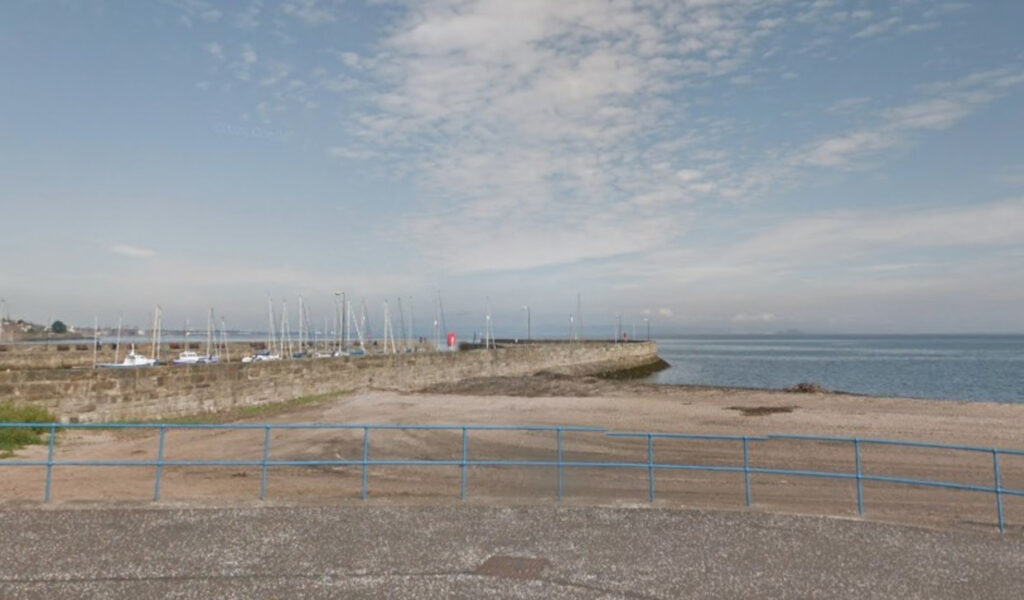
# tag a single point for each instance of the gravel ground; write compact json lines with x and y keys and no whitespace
{"x":472,"y":551}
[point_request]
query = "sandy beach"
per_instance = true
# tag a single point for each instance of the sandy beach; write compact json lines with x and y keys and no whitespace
{"x":588,"y":401}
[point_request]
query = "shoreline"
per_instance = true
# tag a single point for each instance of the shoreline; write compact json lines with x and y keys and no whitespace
{"x":476,"y":384}
{"x":552,"y":400}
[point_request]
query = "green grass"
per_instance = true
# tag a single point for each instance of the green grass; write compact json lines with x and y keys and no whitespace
{"x":12,"y":438}
{"x":260,"y":411}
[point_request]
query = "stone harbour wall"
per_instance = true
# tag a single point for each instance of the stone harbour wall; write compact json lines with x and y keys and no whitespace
{"x":103,"y":395}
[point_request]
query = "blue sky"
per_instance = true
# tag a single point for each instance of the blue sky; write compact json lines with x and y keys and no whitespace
{"x":730,"y":166}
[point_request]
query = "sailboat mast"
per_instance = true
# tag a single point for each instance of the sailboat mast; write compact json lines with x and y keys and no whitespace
{"x":300,"y":323}
{"x":156,"y":319}
{"x":401,"y":323}
{"x":224,"y":339}
{"x":363,"y":323}
{"x":117,"y":344}
{"x":271,"y":336}
{"x":209,"y":334}
{"x":355,"y":324}
{"x":437,"y":323}
{"x":285,"y":333}
{"x":440,"y":309}
{"x":412,"y":323}
{"x":579,"y":317}
{"x":386,"y":325}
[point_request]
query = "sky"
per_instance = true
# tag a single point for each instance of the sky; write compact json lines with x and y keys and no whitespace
{"x":708,"y":165}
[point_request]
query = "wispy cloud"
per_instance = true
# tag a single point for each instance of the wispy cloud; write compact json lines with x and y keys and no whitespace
{"x":533,"y":121}
{"x":131,"y":251}
{"x":215,"y":50}
{"x":191,"y":11}
{"x":764,"y":317}
{"x":312,"y":12}
{"x":598,"y":140}
{"x":944,"y":105}
{"x":878,"y":28}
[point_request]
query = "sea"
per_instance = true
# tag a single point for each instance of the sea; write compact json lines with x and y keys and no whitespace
{"x":942,"y":367}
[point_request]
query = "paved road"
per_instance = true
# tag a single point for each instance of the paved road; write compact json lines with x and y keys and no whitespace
{"x":473,"y":551}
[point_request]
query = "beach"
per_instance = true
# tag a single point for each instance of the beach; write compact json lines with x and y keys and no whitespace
{"x":574,"y":401}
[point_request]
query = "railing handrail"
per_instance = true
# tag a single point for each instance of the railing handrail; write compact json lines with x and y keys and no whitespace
{"x":651,"y":465}
{"x":444,"y":426}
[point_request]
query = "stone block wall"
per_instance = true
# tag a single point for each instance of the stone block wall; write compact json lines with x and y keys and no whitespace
{"x":102,"y":395}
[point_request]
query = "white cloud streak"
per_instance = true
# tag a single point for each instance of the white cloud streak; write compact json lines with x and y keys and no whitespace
{"x":131,"y":251}
{"x":944,"y":105}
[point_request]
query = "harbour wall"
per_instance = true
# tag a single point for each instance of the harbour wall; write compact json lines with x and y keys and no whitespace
{"x":161,"y":392}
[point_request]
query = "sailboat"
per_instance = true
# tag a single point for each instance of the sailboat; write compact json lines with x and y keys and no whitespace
{"x":269,"y":353}
{"x":191,"y":357}
{"x":130,"y":360}
{"x":133,"y":359}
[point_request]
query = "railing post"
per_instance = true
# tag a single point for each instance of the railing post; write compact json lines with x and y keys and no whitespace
{"x":462,"y":490}
{"x":263,"y":467}
{"x":650,"y":467}
{"x":559,"y":438}
{"x":746,"y":470}
{"x":49,"y":461}
{"x":366,"y":456}
{"x":860,"y":480}
{"x":159,"y":463}
{"x":999,"y":489}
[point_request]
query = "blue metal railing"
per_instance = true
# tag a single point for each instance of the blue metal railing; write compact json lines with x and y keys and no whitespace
{"x":558,"y":463}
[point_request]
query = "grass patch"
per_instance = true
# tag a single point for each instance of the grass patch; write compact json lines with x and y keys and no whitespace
{"x":12,"y":438}
{"x":259,"y":411}
{"x":276,"y":408}
{"x":806,"y":387}
{"x":638,"y":372}
{"x":760,"y":411}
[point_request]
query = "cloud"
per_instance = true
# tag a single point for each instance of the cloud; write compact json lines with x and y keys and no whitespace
{"x":311,"y":12}
{"x":350,"y":153}
{"x":592,"y":136}
{"x":765,"y":317}
{"x":192,"y":10}
{"x":532,"y":122}
{"x":131,"y":251}
{"x":215,"y":50}
{"x":843,"y":150}
{"x":849,"y":105}
{"x":242,"y":67}
{"x":843,"y":235}
{"x":1013,"y":175}
{"x":518,"y":121}
{"x":878,"y":28}
{"x":945,"y":104}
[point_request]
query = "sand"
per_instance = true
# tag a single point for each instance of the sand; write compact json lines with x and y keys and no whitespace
{"x":560,"y":400}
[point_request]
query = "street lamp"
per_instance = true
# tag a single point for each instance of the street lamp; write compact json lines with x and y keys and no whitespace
{"x":526,"y":307}
{"x":648,"y":321}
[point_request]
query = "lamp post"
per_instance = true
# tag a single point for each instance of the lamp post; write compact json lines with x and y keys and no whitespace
{"x":526,"y":307}
{"x":648,"y":322}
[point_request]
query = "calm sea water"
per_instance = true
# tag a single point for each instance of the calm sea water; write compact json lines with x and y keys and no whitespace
{"x":941,"y":367}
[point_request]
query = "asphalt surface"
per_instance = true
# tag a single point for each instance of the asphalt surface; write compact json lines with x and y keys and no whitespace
{"x":474,"y":551}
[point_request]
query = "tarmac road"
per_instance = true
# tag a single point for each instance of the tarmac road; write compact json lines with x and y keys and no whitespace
{"x":473,"y":551}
